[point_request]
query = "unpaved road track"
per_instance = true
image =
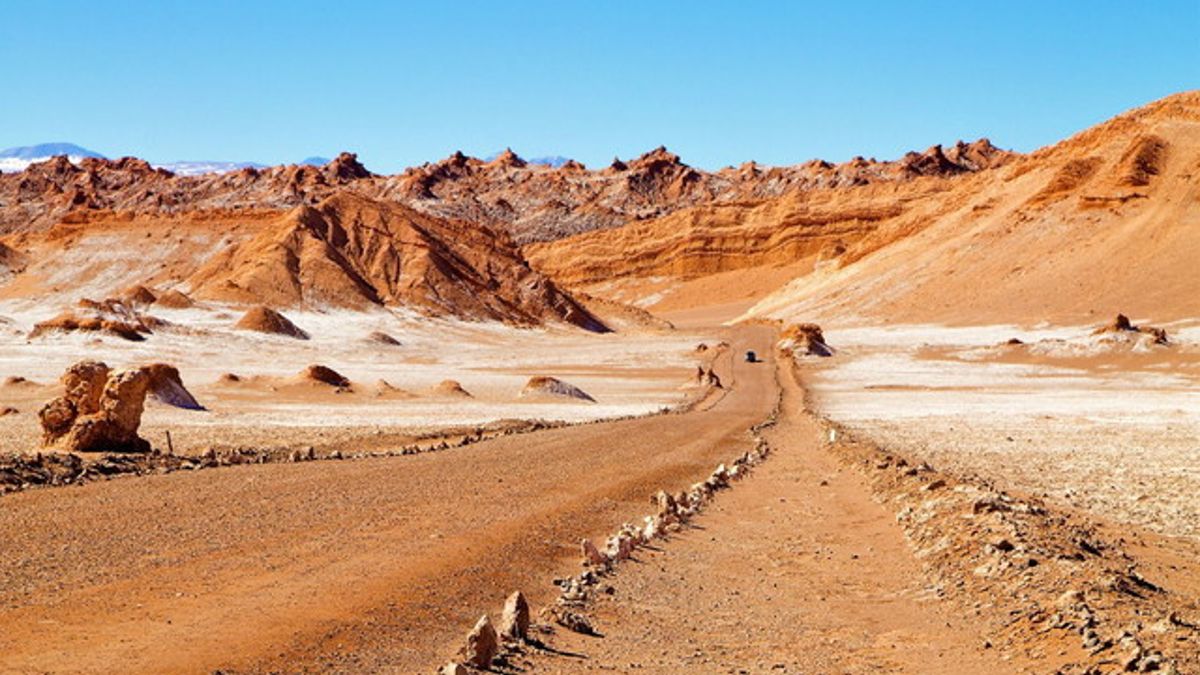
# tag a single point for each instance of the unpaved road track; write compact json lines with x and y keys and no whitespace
{"x":374,"y":565}
{"x":795,"y":570}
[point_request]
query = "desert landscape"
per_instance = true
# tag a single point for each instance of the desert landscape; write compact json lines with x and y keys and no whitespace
{"x":934,"y":413}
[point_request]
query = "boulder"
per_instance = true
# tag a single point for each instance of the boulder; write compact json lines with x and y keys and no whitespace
{"x":482,"y":644}
{"x":453,"y":668}
{"x":101,"y":410}
{"x":804,"y":339}
{"x":514,"y":622}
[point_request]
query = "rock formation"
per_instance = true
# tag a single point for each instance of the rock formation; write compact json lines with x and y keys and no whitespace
{"x":351,"y":251}
{"x":324,"y":375}
{"x":482,"y":644}
{"x":804,"y":339}
{"x":514,"y":622}
{"x":1123,"y":326}
{"x":174,"y":299}
{"x":166,"y":387}
{"x":551,"y":387}
{"x":451,"y":388}
{"x":266,"y":320}
{"x":101,"y":409}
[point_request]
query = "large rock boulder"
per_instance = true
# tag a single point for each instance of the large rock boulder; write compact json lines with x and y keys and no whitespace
{"x":804,"y":339}
{"x":101,"y":409}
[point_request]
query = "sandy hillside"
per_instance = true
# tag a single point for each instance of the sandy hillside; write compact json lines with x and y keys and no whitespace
{"x":1100,"y":223}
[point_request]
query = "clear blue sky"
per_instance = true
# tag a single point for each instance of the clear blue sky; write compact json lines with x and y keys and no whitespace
{"x":401,"y":83}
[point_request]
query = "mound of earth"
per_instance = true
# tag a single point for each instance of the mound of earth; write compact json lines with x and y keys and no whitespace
{"x":451,"y":388}
{"x":319,"y":374}
{"x":1123,"y":326}
{"x":381,"y":338}
{"x":385,"y":389}
{"x":166,"y":386}
{"x":542,"y":386}
{"x":804,"y":339}
{"x":263,"y":319}
{"x":114,"y":317}
{"x":138,"y":295}
{"x":174,"y":299}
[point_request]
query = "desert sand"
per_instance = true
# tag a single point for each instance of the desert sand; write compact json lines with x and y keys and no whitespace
{"x":380,"y":405}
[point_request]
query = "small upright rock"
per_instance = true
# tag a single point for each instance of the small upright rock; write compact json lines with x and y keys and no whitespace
{"x":591,"y":554}
{"x":514,"y":623}
{"x":482,"y":643}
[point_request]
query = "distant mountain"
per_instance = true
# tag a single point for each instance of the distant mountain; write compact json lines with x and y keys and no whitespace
{"x":46,"y":150}
{"x":197,"y":168}
{"x":16,"y":159}
{"x":555,"y":161}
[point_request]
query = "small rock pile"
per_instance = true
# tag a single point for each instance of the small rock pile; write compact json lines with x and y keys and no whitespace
{"x":484,"y":643}
{"x":705,"y":377}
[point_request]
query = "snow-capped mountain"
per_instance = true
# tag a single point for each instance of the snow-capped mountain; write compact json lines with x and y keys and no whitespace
{"x":16,"y":159}
{"x":196,"y":168}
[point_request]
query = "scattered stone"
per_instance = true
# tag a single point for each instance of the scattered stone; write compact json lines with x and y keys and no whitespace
{"x":514,"y":622}
{"x":453,"y":668}
{"x":574,"y":621}
{"x":591,"y":554}
{"x":482,"y":644}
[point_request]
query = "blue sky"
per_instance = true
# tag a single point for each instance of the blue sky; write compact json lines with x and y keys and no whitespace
{"x":719,"y":83}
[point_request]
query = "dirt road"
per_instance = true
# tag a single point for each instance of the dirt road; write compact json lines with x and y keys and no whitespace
{"x":795,"y":570}
{"x":376,"y":565}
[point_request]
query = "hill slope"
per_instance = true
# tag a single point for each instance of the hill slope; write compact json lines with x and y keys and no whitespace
{"x":1104,"y":221}
{"x":353,"y":251}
